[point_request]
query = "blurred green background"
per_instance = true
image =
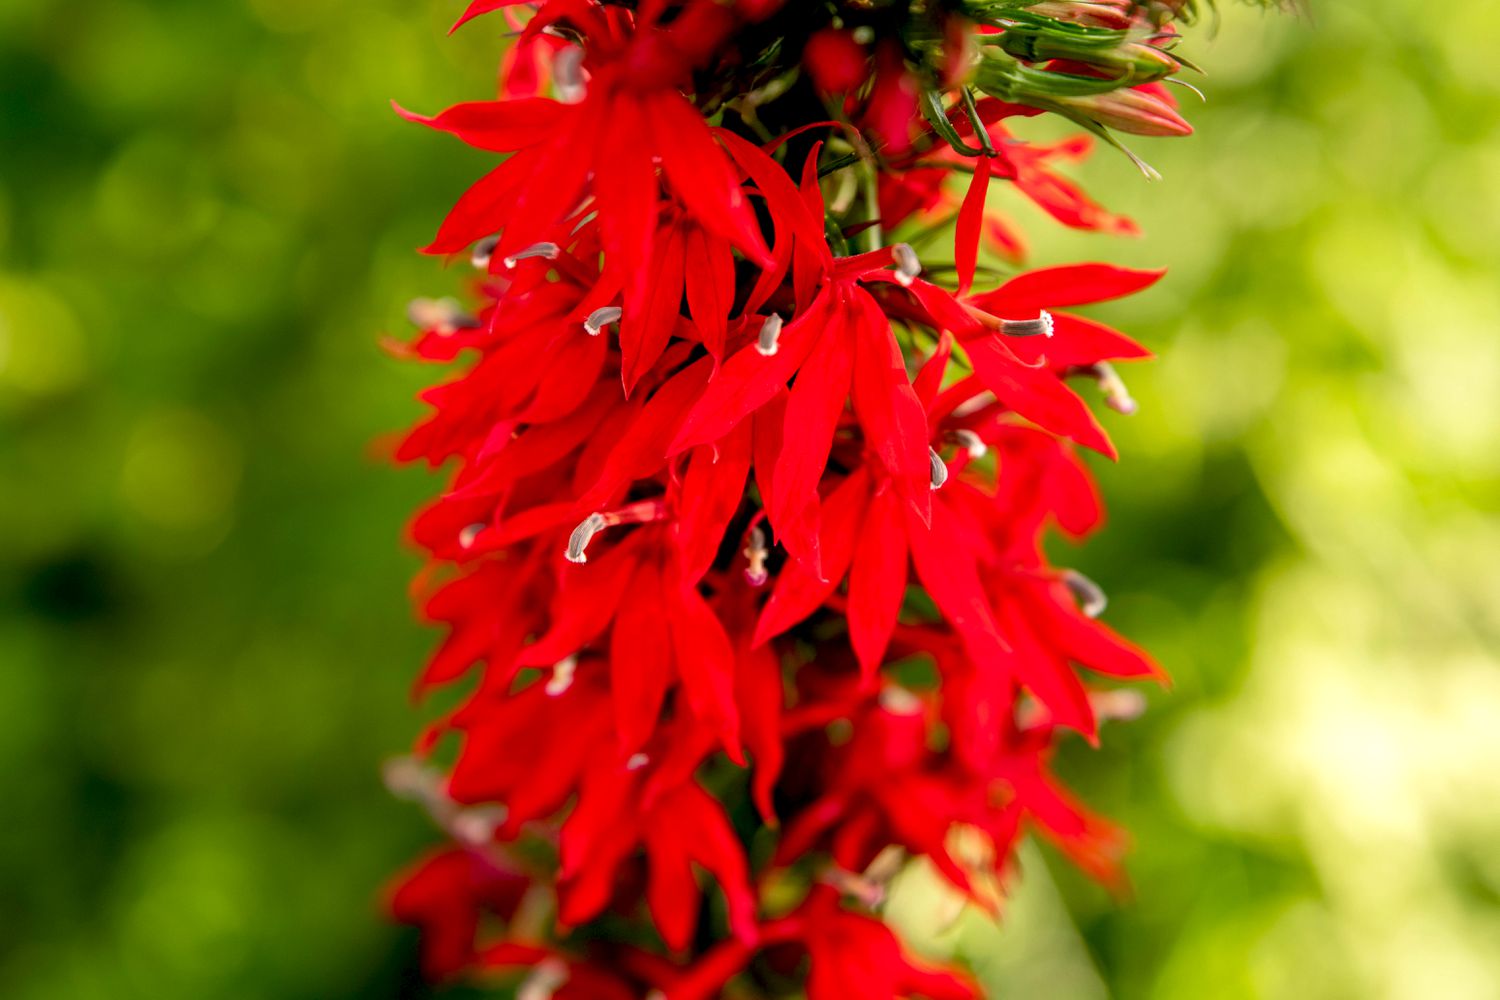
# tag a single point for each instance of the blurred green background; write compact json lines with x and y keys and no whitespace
{"x":207,"y":217}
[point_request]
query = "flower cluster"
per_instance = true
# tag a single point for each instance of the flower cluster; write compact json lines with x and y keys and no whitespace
{"x":741,"y":556}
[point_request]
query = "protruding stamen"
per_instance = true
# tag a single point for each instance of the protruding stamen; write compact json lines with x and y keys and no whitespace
{"x":1119,"y":705}
{"x":562,"y":676}
{"x":770,"y":334}
{"x":1090,"y":596}
{"x":567,"y":75}
{"x":579,"y":540}
{"x":550,"y":251}
{"x":1116,"y":394}
{"x":899,"y":701}
{"x":477,"y":826}
{"x":1042,"y":326}
{"x":756,"y":553}
{"x":442,"y":316}
{"x":637,"y":761}
{"x":971,"y":442}
{"x":468,"y":535}
{"x":938,"y":467}
{"x":908,"y":266}
{"x":483,"y":251}
{"x":546,"y":978}
{"x":600,"y":318}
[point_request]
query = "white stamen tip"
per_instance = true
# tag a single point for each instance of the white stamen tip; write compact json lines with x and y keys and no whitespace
{"x":567,"y":75}
{"x":483,"y":250}
{"x":757,"y":553}
{"x":477,"y":826}
{"x":938,"y":467}
{"x":908,"y":266}
{"x":468,"y":535}
{"x":562,"y":676}
{"x":971,"y":443}
{"x":546,"y":978}
{"x":600,"y":318}
{"x":549,"y":251}
{"x":442,"y":316}
{"x":579,"y":540}
{"x":636,"y":762}
{"x":1042,"y":326}
{"x":1090,"y":596}
{"x":899,"y":701}
{"x":770,"y":335}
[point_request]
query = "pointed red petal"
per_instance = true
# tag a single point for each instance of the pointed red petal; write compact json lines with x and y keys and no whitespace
{"x":812,"y":417}
{"x":705,"y":664}
{"x":711,"y":492}
{"x":1036,"y":394}
{"x":640,"y":660}
{"x":799,"y":592}
{"x":877,"y":580}
{"x":970,"y":225}
{"x":710,"y":287}
{"x":647,"y":326}
{"x":700,"y":173}
{"x":748,"y":380}
{"x":502,"y":126}
{"x":893,"y":419}
{"x":1058,"y":287}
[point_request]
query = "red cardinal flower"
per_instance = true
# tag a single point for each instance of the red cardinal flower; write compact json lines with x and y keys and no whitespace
{"x":739,"y":551}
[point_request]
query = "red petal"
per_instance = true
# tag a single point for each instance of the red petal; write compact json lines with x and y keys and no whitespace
{"x":970,"y":224}
{"x":478,"y":7}
{"x":711,"y":492}
{"x":640,"y":660}
{"x":485,"y":207}
{"x":877,"y":580}
{"x":700,"y":173}
{"x":646,"y":328}
{"x":1036,"y":394}
{"x":799,"y":592}
{"x":893,"y":419}
{"x":502,"y":126}
{"x":705,"y":664}
{"x":748,"y":380}
{"x":1058,"y":287}
{"x":710,"y":287}
{"x":812,"y":417}
{"x":759,"y":692}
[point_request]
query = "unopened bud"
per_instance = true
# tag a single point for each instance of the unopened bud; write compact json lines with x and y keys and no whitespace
{"x":579,"y":540}
{"x":1042,"y":326}
{"x":1090,"y":596}
{"x":938,"y":468}
{"x":600,"y":318}
{"x":908,"y":265}
{"x":1129,"y":110}
{"x":770,"y":335}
